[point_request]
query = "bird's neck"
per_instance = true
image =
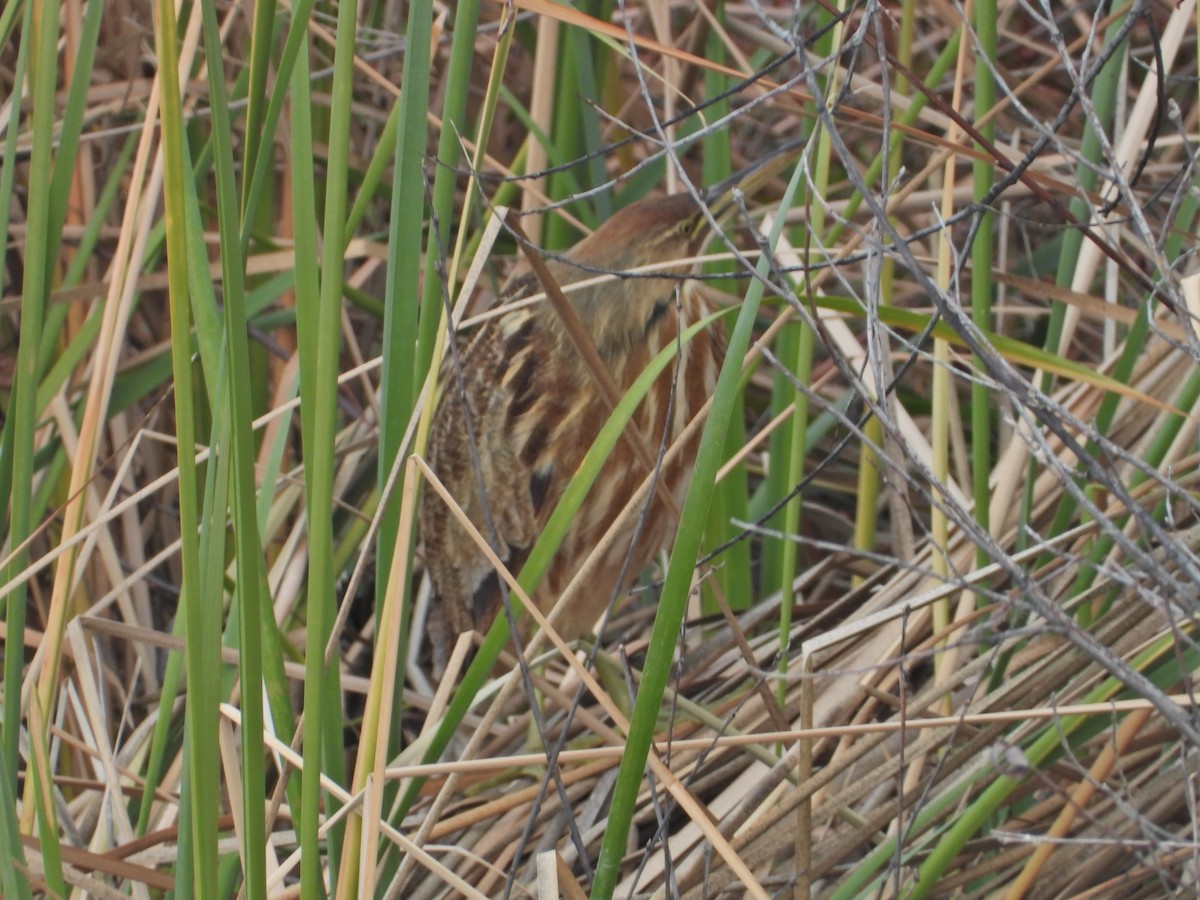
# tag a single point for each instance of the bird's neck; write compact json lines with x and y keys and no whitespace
{"x":620,"y":316}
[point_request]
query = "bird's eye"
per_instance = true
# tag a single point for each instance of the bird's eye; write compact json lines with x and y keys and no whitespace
{"x":685,"y":227}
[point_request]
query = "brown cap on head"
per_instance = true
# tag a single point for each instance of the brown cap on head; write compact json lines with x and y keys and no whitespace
{"x":651,"y":230}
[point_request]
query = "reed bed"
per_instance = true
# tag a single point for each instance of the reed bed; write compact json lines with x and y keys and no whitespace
{"x":928,"y":627}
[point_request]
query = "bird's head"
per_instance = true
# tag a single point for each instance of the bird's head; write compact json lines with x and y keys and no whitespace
{"x":649,"y":247}
{"x":652,"y":232}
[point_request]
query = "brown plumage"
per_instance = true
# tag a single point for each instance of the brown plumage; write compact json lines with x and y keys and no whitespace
{"x":535,"y":410}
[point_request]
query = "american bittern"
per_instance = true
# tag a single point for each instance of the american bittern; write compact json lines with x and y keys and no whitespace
{"x":534,"y":409}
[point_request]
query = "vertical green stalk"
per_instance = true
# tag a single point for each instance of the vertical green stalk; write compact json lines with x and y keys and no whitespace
{"x":254,"y":610}
{"x":11,"y":853}
{"x":202,"y":624}
{"x":454,"y":110}
{"x":308,"y":306}
{"x":258,"y":168}
{"x":981,"y":268}
{"x":866,"y":513}
{"x":801,"y":365}
{"x":53,"y":359}
{"x":7,"y":432}
{"x":1105,"y":90}
{"x":775,"y":483}
{"x":8,"y":24}
{"x":730,"y":500}
{"x":69,"y":132}
{"x":308,"y":277}
{"x":939,"y":420}
{"x":673,"y":603}
{"x":575,"y":130}
{"x":255,"y":137}
{"x":400,"y":381}
{"x":319,"y":353}
{"x":203,"y":777}
{"x":42,"y":22}
{"x":297,"y":37}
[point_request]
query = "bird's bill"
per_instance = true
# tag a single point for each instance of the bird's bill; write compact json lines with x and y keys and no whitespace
{"x":719,"y":197}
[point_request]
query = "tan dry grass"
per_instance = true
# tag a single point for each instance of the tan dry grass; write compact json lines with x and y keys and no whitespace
{"x":876,"y":753}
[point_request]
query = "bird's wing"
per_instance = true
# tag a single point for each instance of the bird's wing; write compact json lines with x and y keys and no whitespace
{"x":494,"y":458}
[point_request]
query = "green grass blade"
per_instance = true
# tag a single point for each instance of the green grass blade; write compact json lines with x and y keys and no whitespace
{"x":12,"y":856}
{"x":731,"y":499}
{"x":297,"y":37}
{"x":253,"y":608}
{"x":982,"y":289}
{"x":673,"y":603}
{"x":398,"y":379}
{"x":203,"y":779}
{"x":42,"y":21}
{"x":257,"y":138}
{"x":7,"y":179}
{"x":458,"y":81}
{"x":319,"y":354}
{"x":42,"y":27}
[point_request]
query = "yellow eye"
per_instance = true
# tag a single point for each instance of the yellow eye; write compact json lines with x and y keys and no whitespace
{"x":685,"y":227}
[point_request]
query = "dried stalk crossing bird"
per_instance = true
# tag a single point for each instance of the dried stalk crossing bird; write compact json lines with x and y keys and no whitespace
{"x":533,"y":408}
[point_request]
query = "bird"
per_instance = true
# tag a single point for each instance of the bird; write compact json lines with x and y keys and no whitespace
{"x":506,"y":439}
